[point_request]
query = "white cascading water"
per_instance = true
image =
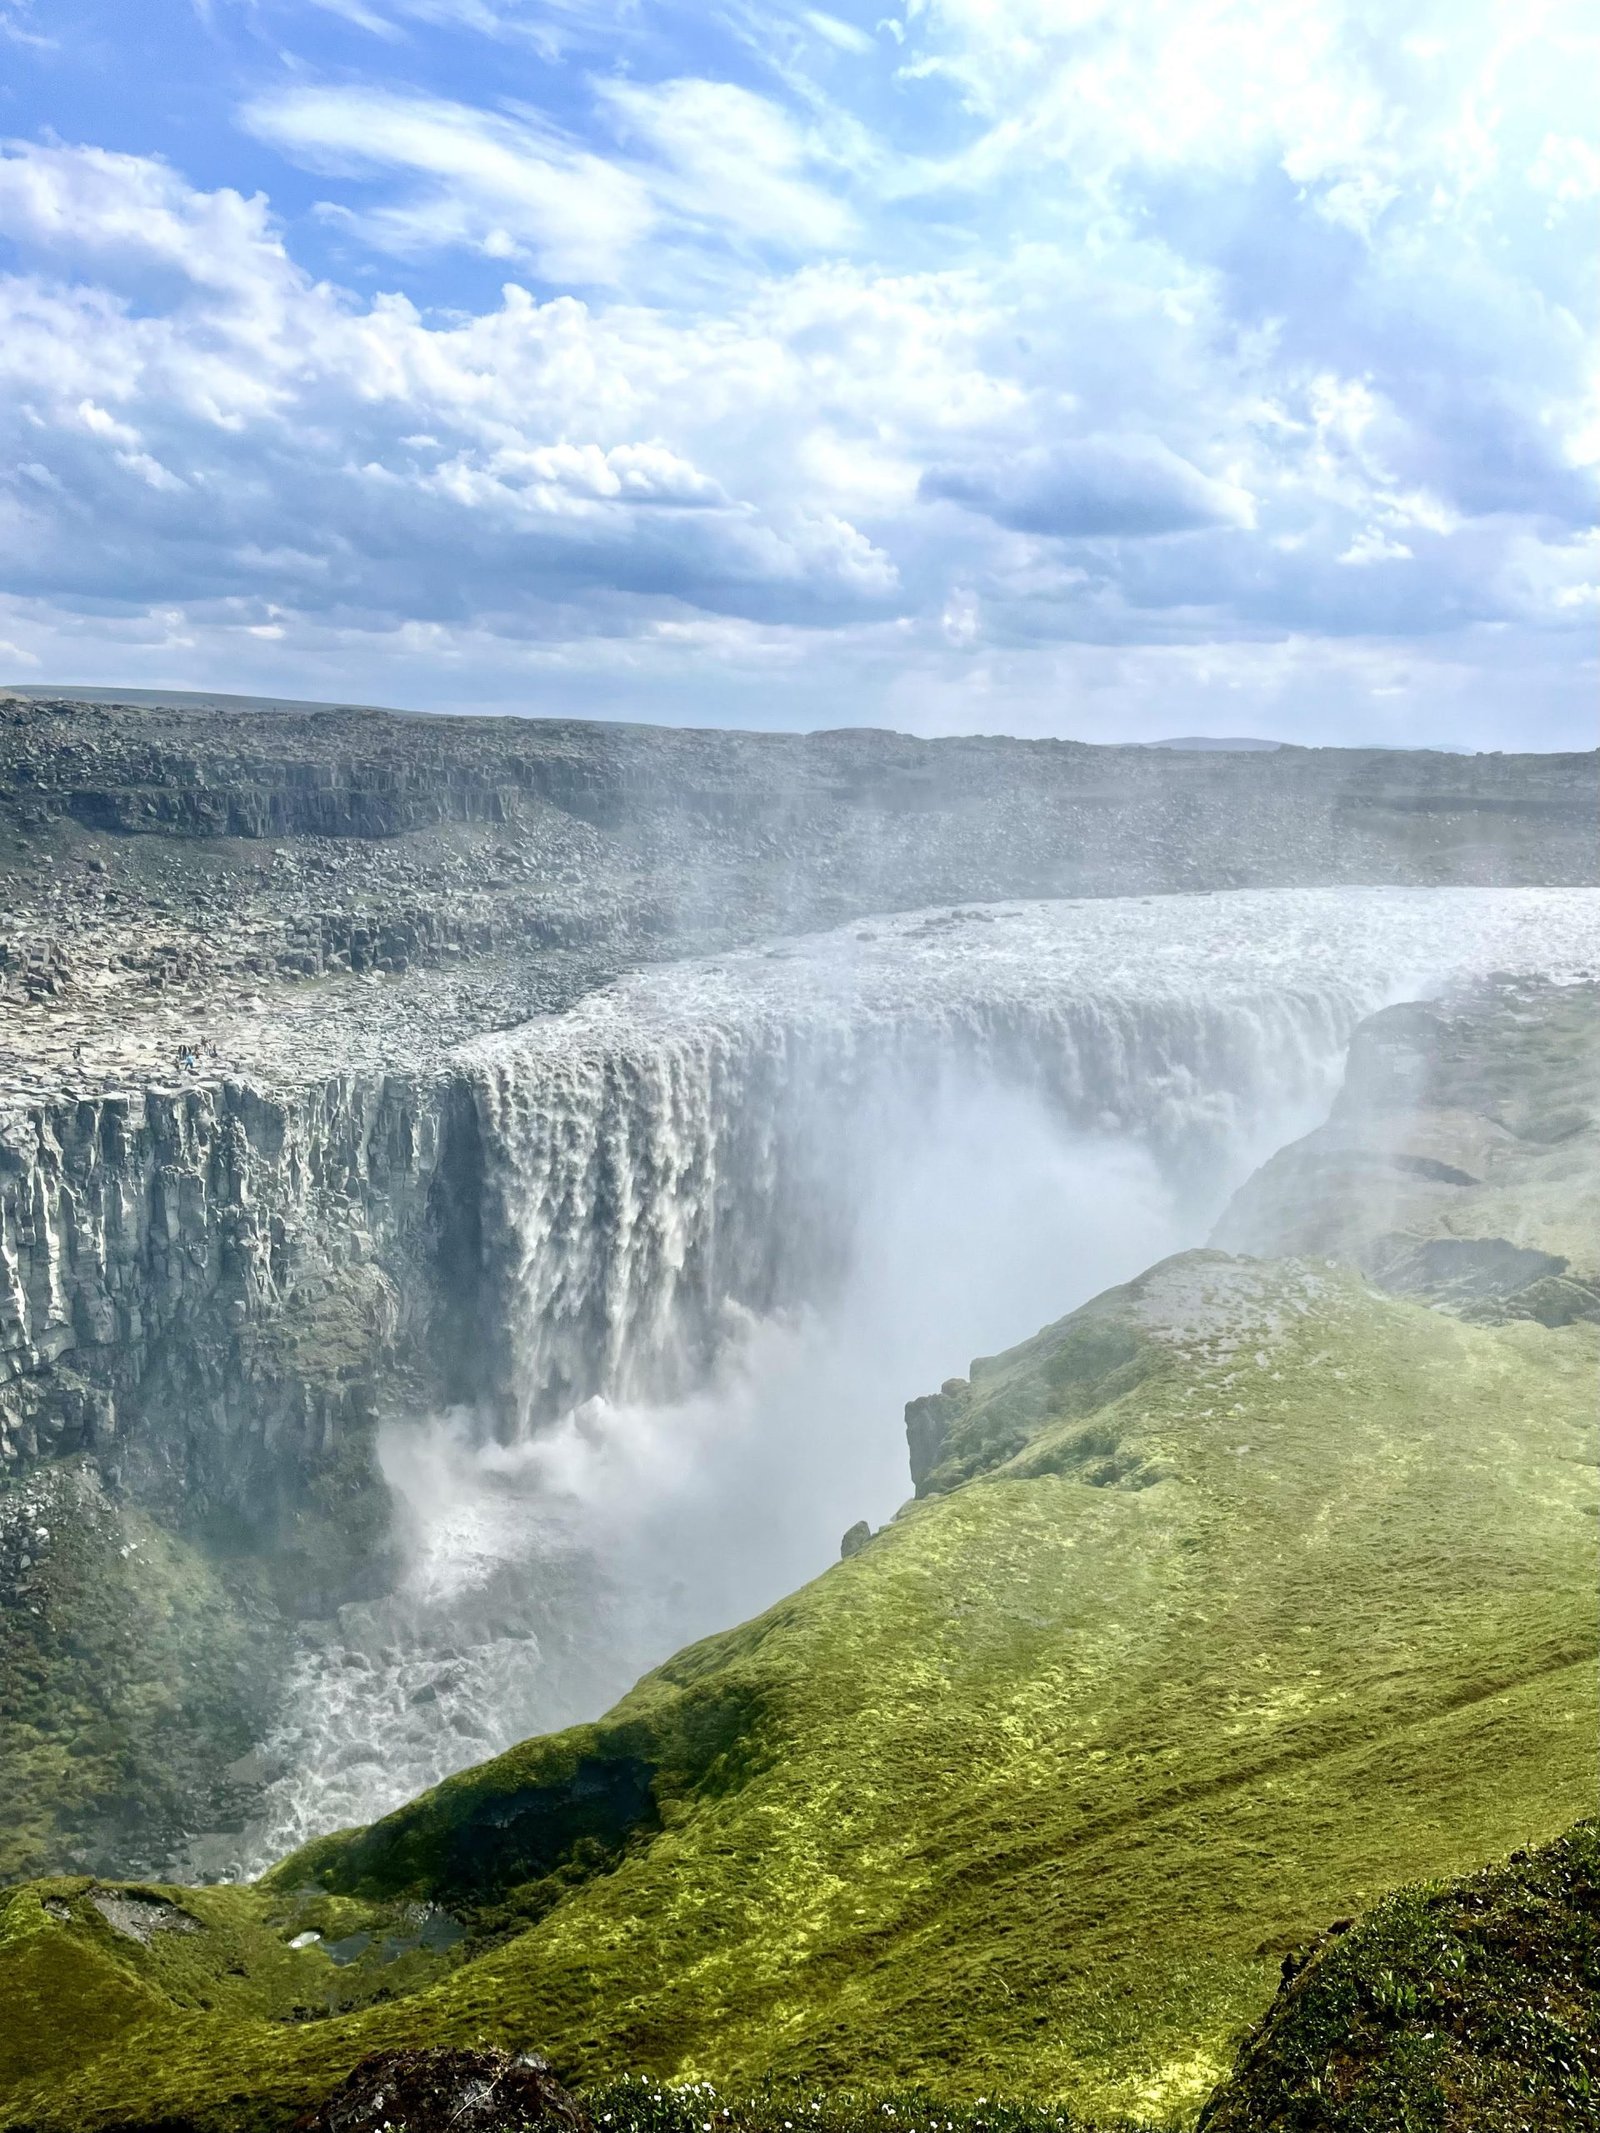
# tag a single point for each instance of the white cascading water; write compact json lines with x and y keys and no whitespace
{"x":743,"y":1209}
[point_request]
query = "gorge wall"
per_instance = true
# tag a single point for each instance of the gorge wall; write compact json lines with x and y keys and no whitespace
{"x":262,"y":1169}
{"x":200,"y":1283}
{"x":215,"y":1289}
{"x":360,"y":1072}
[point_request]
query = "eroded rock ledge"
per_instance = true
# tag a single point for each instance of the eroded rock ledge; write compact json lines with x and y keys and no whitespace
{"x":1461,"y":1163}
{"x":236,"y":949}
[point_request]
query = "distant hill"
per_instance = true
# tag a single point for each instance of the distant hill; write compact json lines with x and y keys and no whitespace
{"x":190,"y":699}
{"x":227,"y":702}
{"x":1215,"y":744}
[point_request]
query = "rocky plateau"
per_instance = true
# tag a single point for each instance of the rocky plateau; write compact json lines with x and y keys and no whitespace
{"x":268,"y":979}
{"x":232,"y":1152}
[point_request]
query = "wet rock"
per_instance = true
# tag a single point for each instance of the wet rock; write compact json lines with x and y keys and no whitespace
{"x":1461,"y":1163}
{"x":140,"y":1918}
{"x":448,"y":2092}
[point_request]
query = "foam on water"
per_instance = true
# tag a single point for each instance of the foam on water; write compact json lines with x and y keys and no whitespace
{"x":739,"y":1210}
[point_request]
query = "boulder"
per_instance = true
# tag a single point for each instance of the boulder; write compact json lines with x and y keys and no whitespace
{"x":448,"y":2092}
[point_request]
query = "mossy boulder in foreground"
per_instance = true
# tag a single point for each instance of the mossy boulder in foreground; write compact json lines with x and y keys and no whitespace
{"x":1234,"y":1600}
{"x":1470,"y":2008}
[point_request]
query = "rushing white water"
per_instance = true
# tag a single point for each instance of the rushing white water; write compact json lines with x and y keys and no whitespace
{"x":743,"y":1209}
{"x":691,"y":1138}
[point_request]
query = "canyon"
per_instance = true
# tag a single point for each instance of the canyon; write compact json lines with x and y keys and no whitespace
{"x":481,"y":1206}
{"x":211,"y":1272}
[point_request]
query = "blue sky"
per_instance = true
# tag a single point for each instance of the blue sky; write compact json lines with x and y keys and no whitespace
{"x":1110,"y":368}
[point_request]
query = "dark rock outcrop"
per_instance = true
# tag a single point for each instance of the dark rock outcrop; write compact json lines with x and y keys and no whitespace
{"x":448,"y":2092}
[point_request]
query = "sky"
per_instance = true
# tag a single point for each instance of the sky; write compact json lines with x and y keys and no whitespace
{"x":1104,"y":368}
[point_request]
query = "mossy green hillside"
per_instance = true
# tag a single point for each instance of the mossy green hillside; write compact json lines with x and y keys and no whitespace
{"x":1234,"y":1600}
{"x":1474,"y":2005}
{"x":89,"y":1966}
{"x":140,"y":1660}
{"x":132,"y":1672}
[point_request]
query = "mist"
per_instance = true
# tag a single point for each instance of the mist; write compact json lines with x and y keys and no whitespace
{"x":542,"y":1576}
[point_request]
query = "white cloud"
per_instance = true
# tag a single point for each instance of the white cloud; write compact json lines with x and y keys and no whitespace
{"x":547,"y":24}
{"x":1151,"y":348}
{"x":844,"y":36}
{"x":111,"y":212}
{"x":364,"y":17}
{"x":1094,"y":486}
{"x":696,"y":158}
{"x":1421,"y":102}
{"x":18,"y":26}
{"x":263,"y":434}
{"x":1373,"y":545}
{"x":1566,"y":168}
{"x":512,"y":189}
{"x":99,"y":424}
{"x":731,"y":158}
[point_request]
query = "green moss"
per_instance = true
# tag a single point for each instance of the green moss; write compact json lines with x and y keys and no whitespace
{"x":1032,"y":1794}
{"x":636,"y":2104}
{"x":130,"y":1673}
{"x":60,"y":1990}
{"x":1474,"y":2005}
{"x":1027,"y":1400}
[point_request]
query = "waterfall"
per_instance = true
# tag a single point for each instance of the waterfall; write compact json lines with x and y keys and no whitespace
{"x":688,"y":1147}
{"x":642,"y":1196}
{"x":737,"y":1211}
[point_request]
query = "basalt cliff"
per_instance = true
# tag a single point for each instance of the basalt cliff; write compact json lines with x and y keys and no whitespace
{"x":358,"y":1069}
{"x":244,"y":1187}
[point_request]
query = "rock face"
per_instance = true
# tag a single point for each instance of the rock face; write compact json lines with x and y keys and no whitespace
{"x":448,"y":2092}
{"x":212,"y":1252}
{"x":1461,"y":1163}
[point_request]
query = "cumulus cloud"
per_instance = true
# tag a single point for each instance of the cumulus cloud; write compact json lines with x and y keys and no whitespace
{"x":265,"y":438}
{"x":106,"y":214}
{"x":1128,"y":486}
{"x":968,"y":370}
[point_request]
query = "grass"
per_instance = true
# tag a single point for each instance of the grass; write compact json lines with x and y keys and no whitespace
{"x":130,"y":1669}
{"x":1236,"y":1599}
{"x":1038,"y":1785}
{"x":637,"y":2104}
{"x":1474,"y":2005}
